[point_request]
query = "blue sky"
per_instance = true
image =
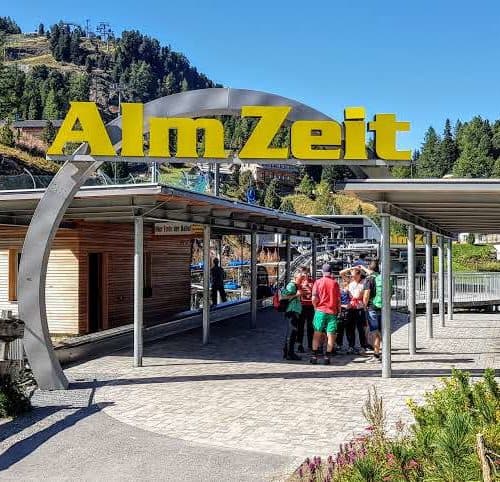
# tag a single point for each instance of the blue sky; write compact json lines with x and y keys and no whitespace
{"x":423,"y":60}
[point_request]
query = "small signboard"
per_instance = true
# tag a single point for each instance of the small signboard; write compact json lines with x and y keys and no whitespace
{"x":169,"y":229}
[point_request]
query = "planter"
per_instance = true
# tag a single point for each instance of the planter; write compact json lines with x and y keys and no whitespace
{"x":11,"y":329}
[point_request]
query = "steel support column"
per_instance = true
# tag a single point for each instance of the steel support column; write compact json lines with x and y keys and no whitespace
{"x":217,"y":179}
{"x":314,"y":262}
{"x":288,"y":258}
{"x":441,"y":278}
{"x":218,"y":254}
{"x":412,"y":311}
{"x":138,"y":288}
{"x":386,"y":293}
{"x":449,"y":258}
{"x":428,"y":285}
{"x":253,"y":280}
{"x":206,"y":284}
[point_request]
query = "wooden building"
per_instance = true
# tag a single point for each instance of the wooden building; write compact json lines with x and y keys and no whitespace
{"x":90,"y":275}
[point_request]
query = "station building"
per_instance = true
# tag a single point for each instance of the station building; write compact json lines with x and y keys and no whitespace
{"x":90,"y":274}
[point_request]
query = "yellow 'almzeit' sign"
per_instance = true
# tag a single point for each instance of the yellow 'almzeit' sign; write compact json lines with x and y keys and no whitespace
{"x":313,"y":140}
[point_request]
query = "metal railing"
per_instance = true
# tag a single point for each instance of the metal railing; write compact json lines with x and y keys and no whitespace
{"x":468,"y":288}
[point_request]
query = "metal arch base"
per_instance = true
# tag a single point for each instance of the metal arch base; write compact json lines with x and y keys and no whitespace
{"x":33,"y":272}
{"x":61,"y":191}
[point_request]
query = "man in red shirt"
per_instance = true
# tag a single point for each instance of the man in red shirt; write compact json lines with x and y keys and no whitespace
{"x":326,"y":302}
{"x":305,"y":284}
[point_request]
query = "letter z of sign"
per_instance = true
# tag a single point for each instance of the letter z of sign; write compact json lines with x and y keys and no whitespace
{"x":271,"y":119}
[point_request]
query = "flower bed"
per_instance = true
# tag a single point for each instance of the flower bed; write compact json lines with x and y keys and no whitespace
{"x":455,"y":438}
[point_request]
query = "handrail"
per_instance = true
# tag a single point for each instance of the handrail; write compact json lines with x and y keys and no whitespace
{"x":468,"y":288}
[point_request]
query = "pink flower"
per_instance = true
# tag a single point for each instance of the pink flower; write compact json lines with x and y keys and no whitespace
{"x":390,"y":458}
{"x":412,"y":464}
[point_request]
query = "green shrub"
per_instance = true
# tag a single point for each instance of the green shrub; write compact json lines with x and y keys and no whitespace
{"x":15,"y":394}
{"x":440,"y":446}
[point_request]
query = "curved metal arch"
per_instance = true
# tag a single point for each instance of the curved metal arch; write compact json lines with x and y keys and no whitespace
{"x":62,"y":189}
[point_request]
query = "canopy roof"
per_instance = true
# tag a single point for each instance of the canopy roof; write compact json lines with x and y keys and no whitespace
{"x":445,"y":206}
{"x":159,"y":203}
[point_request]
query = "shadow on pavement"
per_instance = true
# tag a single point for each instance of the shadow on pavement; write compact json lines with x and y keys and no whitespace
{"x":26,"y":446}
{"x":301,"y":375}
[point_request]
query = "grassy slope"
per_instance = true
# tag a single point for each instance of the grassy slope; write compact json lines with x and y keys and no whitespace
{"x":27,"y":159}
{"x":468,"y":257}
{"x":347,"y":204}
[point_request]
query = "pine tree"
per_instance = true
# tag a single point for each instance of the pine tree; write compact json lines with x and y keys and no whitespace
{"x":63,"y":49}
{"x":34,"y":110}
{"x":495,"y":138}
{"x":51,"y":108}
{"x":496,"y":169}
{"x":325,"y":201}
{"x":168,"y":85}
{"x":41,"y":29}
{"x":287,"y":206}
{"x":448,"y":152}
{"x":245,"y":180}
{"x":7,"y":134}
{"x":331,"y":174}
{"x":75,"y":52}
{"x":49,"y":132}
{"x":141,"y":84}
{"x":79,"y":87}
{"x":306,"y":186}
{"x":476,"y":150}
{"x":428,"y":162}
{"x":8,"y":26}
{"x":272,"y":197}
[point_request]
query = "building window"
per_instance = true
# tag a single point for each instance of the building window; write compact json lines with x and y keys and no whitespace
{"x":147,"y":276}
{"x":14,"y":260}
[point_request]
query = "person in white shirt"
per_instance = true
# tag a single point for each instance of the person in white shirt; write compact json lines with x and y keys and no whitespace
{"x":356,"y":316}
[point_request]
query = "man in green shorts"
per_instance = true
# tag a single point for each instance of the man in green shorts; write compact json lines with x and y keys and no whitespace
{"x":326,"y":302}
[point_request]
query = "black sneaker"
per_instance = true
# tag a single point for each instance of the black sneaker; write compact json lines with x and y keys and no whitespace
{"x":326,"y":361}
{"x":300,"y":349}
{"x":313,"y":360}
{"x":293,"y":357}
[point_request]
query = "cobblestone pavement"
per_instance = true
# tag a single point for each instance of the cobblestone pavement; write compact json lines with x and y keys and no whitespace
{"x":206,"y":413}
{"x":236,"y":393}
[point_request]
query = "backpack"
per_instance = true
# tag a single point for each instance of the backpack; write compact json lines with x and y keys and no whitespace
{"x":377,"y":295}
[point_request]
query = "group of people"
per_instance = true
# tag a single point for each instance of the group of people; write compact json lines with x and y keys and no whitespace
{"x":328,"y":312}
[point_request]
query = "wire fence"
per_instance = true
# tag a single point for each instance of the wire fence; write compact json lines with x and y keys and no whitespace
{"x":198,"y":182}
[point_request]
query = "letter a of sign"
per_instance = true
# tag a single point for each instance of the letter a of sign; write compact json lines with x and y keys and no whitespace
{"x":92,"y":131}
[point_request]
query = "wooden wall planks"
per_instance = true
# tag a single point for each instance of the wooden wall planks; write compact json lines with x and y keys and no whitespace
{"x":68,"y":270}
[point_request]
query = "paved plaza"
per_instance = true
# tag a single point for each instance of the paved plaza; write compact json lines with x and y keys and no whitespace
{"x":231,"y":410}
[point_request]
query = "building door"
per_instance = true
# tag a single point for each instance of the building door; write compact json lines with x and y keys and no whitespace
{"x":95,"y":292}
